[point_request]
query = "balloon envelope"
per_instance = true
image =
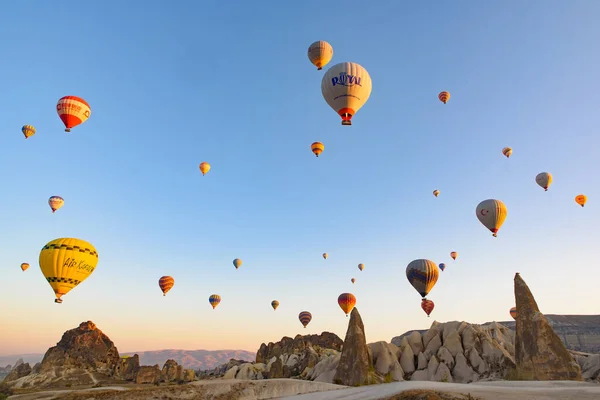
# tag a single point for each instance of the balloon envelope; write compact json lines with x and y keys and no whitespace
{"x":513,"y":312}
{"x":166,"y":283}
{"x":214,"y":300}
{"x":422,"y":275}
{"x":581,"y":199}
{"x":66,"y":262}
{"x":56,"y":202}
{"x":274,"y":304}
{"x":544,"y":179}
{"x":346,"y":87}
{"x":427,"y":306}
{"x":28,"y":131}
{"x":320,"y":53}
{"x":491,"y":213}
{"x":73,"y":111}
{"x":305,"y":317}
{"x":346,"y":301}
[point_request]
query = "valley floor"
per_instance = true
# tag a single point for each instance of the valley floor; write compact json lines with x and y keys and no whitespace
{"x":497,"y":390}
{"x":294,"y":389}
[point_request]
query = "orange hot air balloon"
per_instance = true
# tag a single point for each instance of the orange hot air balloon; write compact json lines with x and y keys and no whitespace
{"x":346,"y":301}
{"x":204,"y":167}
{"x":444,"y":97}
{"x":513,"y":312}
{"x":581,"y":199}
{"x":166,"y":283}
{"x":427,"y":306}
{"x":73,"y":111}
{"x":317,"y":148}
{"x":24,"y":266}
{"x":352,"y":280}
{"x":454,"y":255}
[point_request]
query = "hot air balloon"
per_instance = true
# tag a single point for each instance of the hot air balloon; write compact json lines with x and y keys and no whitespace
{"x":581,"y":199}
{"x":66,"y":262}
{"x":304,"y":318}
{"x":422,"y":275}
{"x":454,"y":255}
{"x":427,"y":306}
{"x":352,"y":280}
{"x":513,"y":312}
{"x":507,"y":151}
{"x":325,"y":255}
{"x":544,"y":179}
{"x":55,"y":202}
{"x":346,"y":87}
{"x":28,"y":131}
{"x":204,"y":167}
{"x":214,"y":300}
{"x":274,"y":304}
{"x":346,"y":301}
{"x":72,"y":111}
{"x":166,"y":283}
{"x":361,"y":266}
{"x":237,"y":263}
{"x":442,"y":266}
{"x":317,"y":148}
{"x":491,"y":213}
{"x":320,"y":53}
{"x":444,"y":97}
{"x":436,"y":193}
{"x":24,"y":266}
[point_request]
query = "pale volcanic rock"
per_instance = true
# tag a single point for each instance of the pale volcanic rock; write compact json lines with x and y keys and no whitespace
{"x":421,"y":361}
{"x":18,"y":371}
{"x":127,"y":368}
{"x":407,"y":359}
{"x":539,"y":352}
{"x":415,"y":341}
{"x":385,"y":359}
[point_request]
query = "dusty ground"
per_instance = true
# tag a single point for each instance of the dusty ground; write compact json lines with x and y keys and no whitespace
{"x":429,"y":395}
{"x":217,"y":389}
{"x":498,"y":390}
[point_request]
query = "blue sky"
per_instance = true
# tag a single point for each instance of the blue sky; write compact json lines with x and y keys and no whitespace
{"x":171,"y":85}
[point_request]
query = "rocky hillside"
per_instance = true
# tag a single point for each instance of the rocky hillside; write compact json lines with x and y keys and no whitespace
{"x":578,"y":332}
{"x":193,"y":359}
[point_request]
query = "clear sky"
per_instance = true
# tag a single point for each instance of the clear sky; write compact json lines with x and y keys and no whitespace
{"x":174,"y":84}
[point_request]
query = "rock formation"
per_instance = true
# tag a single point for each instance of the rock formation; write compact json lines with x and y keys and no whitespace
{"x":20,"y":370}
{"x":287,"y":345}
{"x":147,"y":374}
{"x":539,"y":352}
{"x":84,"y":347}
{"x":127,"y":368}
{"x":355,"y":367}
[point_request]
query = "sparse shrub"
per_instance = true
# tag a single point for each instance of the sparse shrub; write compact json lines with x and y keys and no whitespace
{"x":97,"y":385}
{"x":68,"y":385}
{"x":5,"y":391}
{"x":388,"y":378}
{"x":445,"y":378}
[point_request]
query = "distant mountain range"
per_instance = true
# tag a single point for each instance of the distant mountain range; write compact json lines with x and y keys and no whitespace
{"x":578,"y":332}
{"x":195,"y":359}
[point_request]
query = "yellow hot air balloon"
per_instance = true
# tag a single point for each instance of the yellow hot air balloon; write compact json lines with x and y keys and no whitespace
{"x":204,"y":167}
{"x":581,"y":199}
{"x":544,"y":179}
{"x":237,"y":263}
{"x":436,"y":193}
{"x":320,"y":53}
{"x":507,"y":151}
{"x":317,"y":148}
{"x":24,"y":266}
{"x":66,"y":262}
{"x":346,"y":87}
{"x":325,"y":255}
{"x":56,"y":202}
{"x":491,"y":213}
{"x":361,"y":266}
{"x":444,"y":97}
{"x":454,"y":254}
{"x":274,"y":304}
{"x":28,"y":131}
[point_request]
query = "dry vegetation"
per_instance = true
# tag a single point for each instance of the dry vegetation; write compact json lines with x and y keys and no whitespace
{"x":430,"y":395}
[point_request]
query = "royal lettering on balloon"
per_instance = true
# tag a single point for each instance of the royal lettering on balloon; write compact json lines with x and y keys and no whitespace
{"x":345,"y":80}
